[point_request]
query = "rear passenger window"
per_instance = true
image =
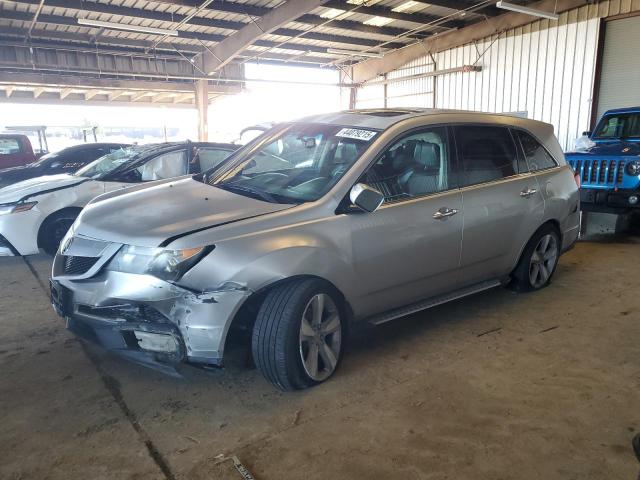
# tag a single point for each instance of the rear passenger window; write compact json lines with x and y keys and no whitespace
{"x":415,"y":165}
{"x":537,"y":157}
{"x":487,"y":153}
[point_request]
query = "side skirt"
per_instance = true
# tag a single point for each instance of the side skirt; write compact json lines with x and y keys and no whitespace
{"x":432,"y":302}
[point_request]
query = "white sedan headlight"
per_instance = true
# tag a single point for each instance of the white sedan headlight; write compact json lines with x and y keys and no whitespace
{"x":166,"y":264}
{"x":17,"y":207}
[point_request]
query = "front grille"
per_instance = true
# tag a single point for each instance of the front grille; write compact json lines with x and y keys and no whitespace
{"x":130,"y":313}
{"x":74,"y":265}
{"x":605,"y":173}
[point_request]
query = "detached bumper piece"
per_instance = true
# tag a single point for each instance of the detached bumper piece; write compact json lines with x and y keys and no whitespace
{"x":136,"y":332}
{"x":609,"y":201}
{"x":6,"y":249}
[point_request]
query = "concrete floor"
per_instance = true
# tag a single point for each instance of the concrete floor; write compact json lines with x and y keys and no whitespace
{"x":496,"y":386}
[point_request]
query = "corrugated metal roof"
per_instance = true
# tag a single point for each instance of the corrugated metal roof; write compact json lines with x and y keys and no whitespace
{"x":351,"y":32}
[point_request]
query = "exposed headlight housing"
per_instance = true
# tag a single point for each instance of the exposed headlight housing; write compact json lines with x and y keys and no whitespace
{"x":165,"y":264}
{"x":17,"y":207}
{"x":633,"y":168}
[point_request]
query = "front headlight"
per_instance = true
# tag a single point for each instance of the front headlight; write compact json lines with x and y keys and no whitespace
{"x":166,"y":264}
{"x":16,"y":207}
{"x":633,"y":168}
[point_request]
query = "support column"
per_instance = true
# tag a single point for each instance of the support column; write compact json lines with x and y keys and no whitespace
{"x":202,"y":104}
{"x":353,"y":92}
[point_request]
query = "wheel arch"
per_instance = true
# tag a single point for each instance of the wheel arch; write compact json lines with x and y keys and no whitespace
{"x":245,"y":317}
{"x":52,"y":216}
{"x":550,"y":222}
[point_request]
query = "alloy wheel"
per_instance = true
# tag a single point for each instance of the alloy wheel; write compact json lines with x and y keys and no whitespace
{"x":543,"y":260}
{"x":320,"y":337}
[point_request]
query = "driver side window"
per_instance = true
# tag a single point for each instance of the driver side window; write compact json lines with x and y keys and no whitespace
{"x":416,"y":165}
{"x":168,"y":165}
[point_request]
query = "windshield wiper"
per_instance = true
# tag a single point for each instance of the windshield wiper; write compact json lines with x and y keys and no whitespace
{"x":259,"y":194}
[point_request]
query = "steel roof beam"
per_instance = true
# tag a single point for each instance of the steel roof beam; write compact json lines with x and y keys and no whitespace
{"x":490,"y":10}
{"x":221,"y":54}
{"x":220,"y":5}
{"x":76,"y":82}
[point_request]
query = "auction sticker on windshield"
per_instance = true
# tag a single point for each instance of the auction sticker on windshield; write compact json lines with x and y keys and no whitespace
{"x":356,"y":134}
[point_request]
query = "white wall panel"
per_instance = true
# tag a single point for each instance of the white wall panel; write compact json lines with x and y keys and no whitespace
{"x":370,"y":96}
{"x":411,"y":92}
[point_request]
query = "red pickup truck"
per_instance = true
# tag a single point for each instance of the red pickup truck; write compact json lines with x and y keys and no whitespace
{"x":15,"y":150}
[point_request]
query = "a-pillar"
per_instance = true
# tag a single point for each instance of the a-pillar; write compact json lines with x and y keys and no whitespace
{"x":202,"y":104}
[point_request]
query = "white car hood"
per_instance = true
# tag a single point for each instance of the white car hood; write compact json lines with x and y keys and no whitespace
{"x":152,"y":216}
{"x":36,"y":186}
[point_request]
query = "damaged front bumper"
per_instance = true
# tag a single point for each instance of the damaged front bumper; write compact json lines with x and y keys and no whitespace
{"x":148,"y":320}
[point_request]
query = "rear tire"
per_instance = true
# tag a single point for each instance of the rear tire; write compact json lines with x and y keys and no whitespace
{"x":538,"y":262}
{"x":297,"y":337}
{"x":54,"y":229}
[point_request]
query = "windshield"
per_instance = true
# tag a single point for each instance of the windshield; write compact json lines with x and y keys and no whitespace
{"x":299,"y":164}
{"x":109,"y":163}
{"x":45,"y":160}
{"x":622,"y":125}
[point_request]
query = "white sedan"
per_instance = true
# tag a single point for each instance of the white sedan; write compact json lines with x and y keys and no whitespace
{"x":35,"y":214}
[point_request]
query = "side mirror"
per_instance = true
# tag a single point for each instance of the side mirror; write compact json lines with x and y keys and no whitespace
{"x":365,"y":197}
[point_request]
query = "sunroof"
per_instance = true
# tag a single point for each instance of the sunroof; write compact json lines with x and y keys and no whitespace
{"x":386,"y":112}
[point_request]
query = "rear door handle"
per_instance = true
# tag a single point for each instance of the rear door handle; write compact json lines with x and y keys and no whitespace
{"x":528,"y":192}
{"x":444,"y":212}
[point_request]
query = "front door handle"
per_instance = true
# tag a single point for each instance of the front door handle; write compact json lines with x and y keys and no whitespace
{"x":528,"y":192}
{"x":444,"y":213}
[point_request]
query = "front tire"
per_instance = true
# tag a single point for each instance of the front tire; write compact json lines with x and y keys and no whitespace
{"x":298,"y":335}
{"x":538,"y":262}
{"x":54,"y":229}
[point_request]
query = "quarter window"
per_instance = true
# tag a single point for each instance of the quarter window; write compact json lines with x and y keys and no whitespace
{"x":487,"y":153}
{"x":9,"y":146}
{"x":537,"y":157}
{"x":414,"y":166}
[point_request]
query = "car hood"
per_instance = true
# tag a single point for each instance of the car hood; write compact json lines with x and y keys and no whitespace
{"x":19,"y":168}
{"x":152,"y":216}
{"x":35,"y":186}
{"x":614,"y":149}
{"x":16,"y":174}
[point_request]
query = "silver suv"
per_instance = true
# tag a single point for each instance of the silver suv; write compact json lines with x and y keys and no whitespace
{"x":359,"y":216}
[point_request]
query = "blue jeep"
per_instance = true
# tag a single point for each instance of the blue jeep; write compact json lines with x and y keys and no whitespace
{"x":609,"y":168}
